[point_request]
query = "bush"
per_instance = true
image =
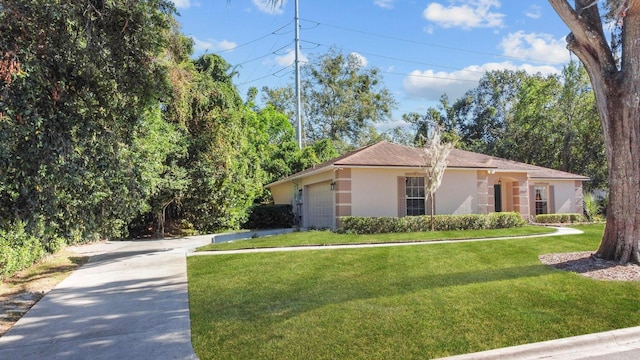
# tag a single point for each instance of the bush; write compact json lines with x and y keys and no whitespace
{"x":504,"y":220}
{"x":592,"y":207}
{"x":559,"y":218}
{"x":19,"y":250}
{"x":269,"y":217}
{"x":379,"y":225}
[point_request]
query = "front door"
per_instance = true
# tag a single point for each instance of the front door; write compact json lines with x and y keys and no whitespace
{"x":497,"y":196}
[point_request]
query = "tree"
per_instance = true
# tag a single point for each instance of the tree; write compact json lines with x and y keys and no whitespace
{"x":435,"y":160}
{"x":342,"y":100}
{"x":444,"y":116}
{"x":615,"y":77}
{"x":223,"y":166}
{"x":547,"y":120}
{"x":78,"y":81}
{"x":482,"y":114}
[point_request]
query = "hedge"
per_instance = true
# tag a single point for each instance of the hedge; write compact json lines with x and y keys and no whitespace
{"x":18,"y":250}
{"x":559,"y":218}
{"x":378,"y":225}
{"x":269,"y":216}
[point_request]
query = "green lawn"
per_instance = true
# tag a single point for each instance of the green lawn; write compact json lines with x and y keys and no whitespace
{"x":307,"y":238}
{"x":413,"y":302}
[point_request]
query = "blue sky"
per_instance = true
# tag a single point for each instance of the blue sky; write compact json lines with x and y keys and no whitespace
{"x":422,"y":48}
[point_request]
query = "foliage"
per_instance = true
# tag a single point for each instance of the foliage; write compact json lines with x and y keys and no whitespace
{"x":559,"y":218}
{"x":18,"y":249}
{"x":269,"y":216}
{"x":550,"y":121}
{"x":223,"y":166}
{"x":505,"y":220}
{"x":88,"y":78}
{"x":556,"y":118}
{"x":592,"y":207}
{"x":443,"y":117}
{"x":342,"y":100}
{"x":380,"y":225}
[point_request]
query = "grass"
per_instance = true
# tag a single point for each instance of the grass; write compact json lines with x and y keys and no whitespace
{"x":36,"y":280}
{"x":307,"y":238}
{"x":399,"y":302}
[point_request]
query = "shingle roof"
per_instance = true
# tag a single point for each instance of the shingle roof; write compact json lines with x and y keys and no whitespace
{"x":386,"y":154}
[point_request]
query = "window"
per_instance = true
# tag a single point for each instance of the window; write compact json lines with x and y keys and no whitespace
{"x":415,"y":196}
{"x":541,"y":199}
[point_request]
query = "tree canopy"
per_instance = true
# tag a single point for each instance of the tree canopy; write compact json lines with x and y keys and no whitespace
{"x":549,"y":121}
{"x":342,"y":100}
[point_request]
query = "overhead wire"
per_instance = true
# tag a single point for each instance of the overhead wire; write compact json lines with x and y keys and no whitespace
{"x":257,"y":39}
{"x":393,"y":58}
{"x":426,"y":43}
{"x":317,"y":24}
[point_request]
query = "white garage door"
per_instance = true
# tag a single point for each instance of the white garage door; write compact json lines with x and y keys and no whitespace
{"x":320,"y":200}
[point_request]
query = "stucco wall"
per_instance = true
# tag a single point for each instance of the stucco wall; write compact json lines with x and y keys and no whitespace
{"x":374,"y":192}
{"x":564,"y":201}
{"x":457,"y":193}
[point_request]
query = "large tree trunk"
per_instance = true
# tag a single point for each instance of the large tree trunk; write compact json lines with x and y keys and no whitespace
{"x":617,"y":87}
{"x":621,"y":238}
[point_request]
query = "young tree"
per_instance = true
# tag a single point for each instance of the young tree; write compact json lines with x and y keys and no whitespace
{"x":435,"y":160}
{"x":615,"y":76}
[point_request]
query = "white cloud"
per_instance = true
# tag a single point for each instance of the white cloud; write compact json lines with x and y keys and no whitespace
{"x":385,"y":4}
{"x":289,"y":58}
{"x":429,"y":85}
{"x":211,"y":45}
{"x":535,"y":46}
{"x":269,"y":6}
{"x":468,"y":15}
{"x":182,"y":4}
{"x":533,"y":11}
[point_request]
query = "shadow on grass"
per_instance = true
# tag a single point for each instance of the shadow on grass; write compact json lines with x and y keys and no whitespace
{"x":315,"y":290}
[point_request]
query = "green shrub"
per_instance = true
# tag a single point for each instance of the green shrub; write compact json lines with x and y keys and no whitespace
{"x":19,"y":250}
{"x":271,"y":216}
{"x":592,"y":207}
{"x":379,"y":225}
{"x":504,"y":220}
{"x":559,"y":218}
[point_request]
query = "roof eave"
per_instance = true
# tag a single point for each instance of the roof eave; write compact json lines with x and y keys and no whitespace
{"x":300,"y":175}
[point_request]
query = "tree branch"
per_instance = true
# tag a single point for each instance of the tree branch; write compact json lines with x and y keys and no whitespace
{"x":587,"y":38}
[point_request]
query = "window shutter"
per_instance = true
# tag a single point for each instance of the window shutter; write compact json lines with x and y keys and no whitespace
{"x":402,"y":196}
{"x":552,"y":205}
{"x":532,"y":202}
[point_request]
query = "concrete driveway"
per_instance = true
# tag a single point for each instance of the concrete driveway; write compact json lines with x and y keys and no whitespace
{"x":129,"y":301}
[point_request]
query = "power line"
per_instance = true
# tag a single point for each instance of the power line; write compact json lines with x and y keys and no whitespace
{"x":396,"y":58}
{"x":275,"y":32}
{"x":264,"y":77}
{"x":275,"y":52}
{"x":395,"y":38}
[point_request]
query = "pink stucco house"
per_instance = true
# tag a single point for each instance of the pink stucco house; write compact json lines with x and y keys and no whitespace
{"x":387,"y":179}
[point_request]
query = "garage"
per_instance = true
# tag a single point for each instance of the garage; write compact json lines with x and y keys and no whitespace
{"x":320,"y":206}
